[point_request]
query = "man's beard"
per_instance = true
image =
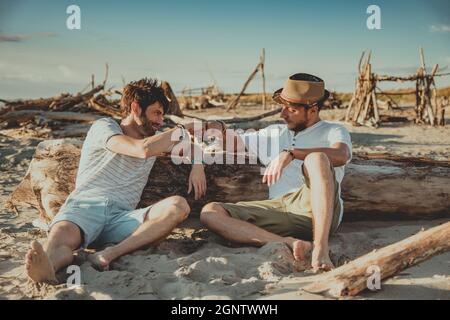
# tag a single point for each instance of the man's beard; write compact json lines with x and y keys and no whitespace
{"x":148,"y":128}
{"x":299,"y":127}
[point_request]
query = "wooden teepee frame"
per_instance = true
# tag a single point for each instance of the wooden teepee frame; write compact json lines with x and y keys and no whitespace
{"x":364,"y":102}
{"x":363,"y":107}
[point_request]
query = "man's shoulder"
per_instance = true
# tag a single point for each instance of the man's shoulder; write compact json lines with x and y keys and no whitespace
{"x":105,"y":123}
{"x":333,"y":125}
{"x":100,"y":130}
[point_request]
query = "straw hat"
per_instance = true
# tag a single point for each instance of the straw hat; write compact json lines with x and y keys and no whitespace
{"x":302,"y":90}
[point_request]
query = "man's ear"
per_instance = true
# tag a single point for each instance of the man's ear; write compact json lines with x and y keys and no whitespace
{"x":135,"y":109}
{"x":315,"y":109}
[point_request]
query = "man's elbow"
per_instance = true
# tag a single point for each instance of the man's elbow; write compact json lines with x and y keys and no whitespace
{"x":342,"y":159}
{"x":345,"y":158}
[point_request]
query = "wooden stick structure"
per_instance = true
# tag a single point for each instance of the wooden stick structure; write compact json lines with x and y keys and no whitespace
{"x":258,"y":68}
{"x":363,"y":107}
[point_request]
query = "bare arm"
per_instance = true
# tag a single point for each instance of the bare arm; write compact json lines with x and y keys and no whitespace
{"x":144,"y":148}
{"x":338,"y":153}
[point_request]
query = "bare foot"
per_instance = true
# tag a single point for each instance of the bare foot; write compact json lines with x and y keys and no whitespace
{"x":300,"y":248}
{"x":101,"y":259}
{"x":38,"y":265}
{"x":320,"y":260}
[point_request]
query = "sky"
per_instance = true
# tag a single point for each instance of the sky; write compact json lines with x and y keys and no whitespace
{"x":192,"y":43}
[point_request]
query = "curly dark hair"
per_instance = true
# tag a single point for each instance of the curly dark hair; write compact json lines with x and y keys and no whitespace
{"x":145,"y":92}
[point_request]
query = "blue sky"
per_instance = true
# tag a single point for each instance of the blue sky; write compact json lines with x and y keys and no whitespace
{"x":190,"y":42}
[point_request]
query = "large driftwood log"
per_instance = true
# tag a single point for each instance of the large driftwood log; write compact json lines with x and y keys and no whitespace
{"x":50,"y":177}
{"x":372,"y":188}
{"x":351,"y":278}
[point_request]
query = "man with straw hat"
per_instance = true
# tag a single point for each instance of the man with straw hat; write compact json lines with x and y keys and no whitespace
{"x":304,"y":171}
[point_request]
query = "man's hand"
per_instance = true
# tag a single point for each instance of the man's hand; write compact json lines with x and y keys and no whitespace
{"x":197,"y":181}
{"x":195,"y":127}
{"x":275,"y":169}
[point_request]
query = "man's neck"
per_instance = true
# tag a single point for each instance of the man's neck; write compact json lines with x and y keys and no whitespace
{"x":130,"y":128}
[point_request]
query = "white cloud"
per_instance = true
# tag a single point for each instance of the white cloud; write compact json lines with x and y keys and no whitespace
{"x":66,"y":71}
{"x":440,"y":28}
{"x":22,"y":76}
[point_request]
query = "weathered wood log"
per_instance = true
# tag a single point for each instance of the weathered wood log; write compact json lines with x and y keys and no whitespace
{"x":351,"y":278}
{"x":26,"y":115}
{"x":50,"y":177}
{"x":372,"y":188}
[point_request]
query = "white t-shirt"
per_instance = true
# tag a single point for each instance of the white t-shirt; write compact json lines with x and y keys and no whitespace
{"x":269,"y":142}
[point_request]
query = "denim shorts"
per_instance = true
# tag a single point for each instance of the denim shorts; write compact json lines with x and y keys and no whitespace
{"x":101,"y":220}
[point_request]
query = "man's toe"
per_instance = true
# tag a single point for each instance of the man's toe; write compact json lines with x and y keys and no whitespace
{"x":36,"y":246}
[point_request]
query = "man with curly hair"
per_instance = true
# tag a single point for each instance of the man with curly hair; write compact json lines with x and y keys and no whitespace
{"x":115,"y":163}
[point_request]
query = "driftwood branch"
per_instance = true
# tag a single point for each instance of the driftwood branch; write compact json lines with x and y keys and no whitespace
{"x":351,"y":278}
{"x":101,"y":104}
{"x":259,"y":67}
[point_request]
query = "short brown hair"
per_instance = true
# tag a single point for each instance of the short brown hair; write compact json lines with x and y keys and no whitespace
{"x":145,"y":92}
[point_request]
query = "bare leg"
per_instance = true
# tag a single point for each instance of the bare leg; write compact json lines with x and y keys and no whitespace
{"x":162,"y":218}
{"x":317,"y":167}
{"x":41,"y":263}
{"x":216,"y":218}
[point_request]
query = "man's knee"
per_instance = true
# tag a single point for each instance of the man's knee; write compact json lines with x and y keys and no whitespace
{"x":211,"y":212}
{"x":316,"y":161}
{"x":66,"y":233}
{"x":179,"y":206}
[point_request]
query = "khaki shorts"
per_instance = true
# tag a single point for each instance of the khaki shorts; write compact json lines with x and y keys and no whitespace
{"x":287,"y":216}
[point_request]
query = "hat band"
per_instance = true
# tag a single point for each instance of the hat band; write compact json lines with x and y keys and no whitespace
{"x":307,"y":102}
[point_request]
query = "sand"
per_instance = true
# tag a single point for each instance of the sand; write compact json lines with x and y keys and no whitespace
{"x":193,"y":263}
